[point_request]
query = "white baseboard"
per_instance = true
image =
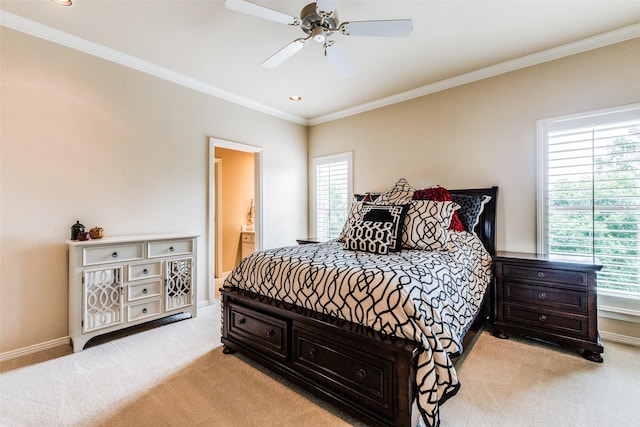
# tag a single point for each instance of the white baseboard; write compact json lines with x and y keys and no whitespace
{"x":24,"y":351}
{"x":623,"y":339}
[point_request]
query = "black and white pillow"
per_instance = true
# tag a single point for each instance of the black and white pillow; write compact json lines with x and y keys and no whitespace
{"x":354,"y":215}
{"x":369,"y":236}
{"x":471,"y":208}
{"x":387,"y":213}
{"x":400,"y":192}
{"x":426,"y":225}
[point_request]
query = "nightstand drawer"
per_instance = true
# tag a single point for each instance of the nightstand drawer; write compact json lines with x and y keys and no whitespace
{"x":543,"y":296}
{"x":564,"y":277}
{"x":564,"y":323}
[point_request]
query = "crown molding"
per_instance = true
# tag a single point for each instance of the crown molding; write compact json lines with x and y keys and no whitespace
{"x":601,"y":40}
{"x":36,"y":29}
{"x":33,"y":28}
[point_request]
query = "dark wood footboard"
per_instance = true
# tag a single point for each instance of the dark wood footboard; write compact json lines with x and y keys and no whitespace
{"x":352,"y":367}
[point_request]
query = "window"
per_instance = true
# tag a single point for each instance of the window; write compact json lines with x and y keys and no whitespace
{"x":332,"y":192}
{"x":589,"y":193}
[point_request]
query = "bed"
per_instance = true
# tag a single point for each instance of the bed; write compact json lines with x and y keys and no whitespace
{"x":376,"y":334}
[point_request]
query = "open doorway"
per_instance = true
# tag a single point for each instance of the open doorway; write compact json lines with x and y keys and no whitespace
{"x":234,"y":220}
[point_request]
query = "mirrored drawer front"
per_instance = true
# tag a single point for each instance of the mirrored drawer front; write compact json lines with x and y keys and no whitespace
{"x":116,"y":253}
{"x":145,"y":271}
{"x":565,"y":277}
{"x":144,"y":290}
{"x":147,"y":309}
{"x":170,"y":248}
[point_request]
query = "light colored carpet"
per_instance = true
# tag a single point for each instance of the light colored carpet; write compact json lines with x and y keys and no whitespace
{"x":176,"y":375}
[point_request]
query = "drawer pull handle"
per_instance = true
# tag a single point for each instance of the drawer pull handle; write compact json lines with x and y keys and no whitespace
{"x":171,"y":249}
{"x":144,"y":311}
{"x":313,"y":353}
{"x":242,"y":321}
{"x":271,"y":333}
{"x":541,"y":274}
{"x":361,"y":374}
{"x":542,"y":295}
{"x":145,"y":271}
{"x":144,"y":291}
{"x":542,"y":318}
{"x":115,"y":254}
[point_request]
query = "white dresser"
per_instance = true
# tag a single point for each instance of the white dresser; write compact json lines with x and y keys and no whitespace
{"x":117,"y":282}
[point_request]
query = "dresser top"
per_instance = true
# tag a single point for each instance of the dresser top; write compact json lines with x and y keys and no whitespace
{"x":136,"y":238}
{"x":551,"y":259}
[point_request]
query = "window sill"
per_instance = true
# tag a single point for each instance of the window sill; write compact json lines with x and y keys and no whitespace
{"x":618,"y":306}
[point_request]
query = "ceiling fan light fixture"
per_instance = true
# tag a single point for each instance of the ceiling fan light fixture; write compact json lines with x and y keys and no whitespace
{"x":318,"y":34}
{"x":63,"y":2}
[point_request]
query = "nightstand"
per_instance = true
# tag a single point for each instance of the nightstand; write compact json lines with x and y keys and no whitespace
{"x":552,"y":298}
{"x":307,"y":240}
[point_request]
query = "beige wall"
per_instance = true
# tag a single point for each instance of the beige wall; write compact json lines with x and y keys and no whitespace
{"x":237,"y":192}
{"x":483,"y":134}
{"x":86,"y":139}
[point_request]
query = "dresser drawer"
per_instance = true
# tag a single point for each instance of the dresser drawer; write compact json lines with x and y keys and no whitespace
{"x":144,"y":290}
{"x":115,"y":253}
{"x":144,"y":310}
{"x":144,"y":271}
{"x":364,"y":377}
{"x":564,"y":277}
{"x":263,"y":332}
{"x":552,"y":321}
{"x":545,"y":296}
{"x":170,"y":248}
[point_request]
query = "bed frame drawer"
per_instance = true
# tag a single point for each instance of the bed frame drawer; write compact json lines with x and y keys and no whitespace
{"x":264,"y":333}
{"x":364,"y":377}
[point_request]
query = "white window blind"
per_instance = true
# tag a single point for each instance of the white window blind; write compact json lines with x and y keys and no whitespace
{"x":590,"y":193}
{"x":332,"y":193}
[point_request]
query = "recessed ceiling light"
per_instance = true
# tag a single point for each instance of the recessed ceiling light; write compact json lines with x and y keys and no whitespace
{"x":295,"y":98}
{"x":63,"y":2}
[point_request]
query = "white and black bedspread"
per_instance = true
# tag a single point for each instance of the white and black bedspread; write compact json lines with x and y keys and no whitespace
{"x":428,"y":297}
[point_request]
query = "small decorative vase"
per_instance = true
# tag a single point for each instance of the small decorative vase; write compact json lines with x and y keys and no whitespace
{"x":76,"y":229}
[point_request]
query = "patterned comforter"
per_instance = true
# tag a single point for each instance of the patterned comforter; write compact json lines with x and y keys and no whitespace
{"x":424,"y":296}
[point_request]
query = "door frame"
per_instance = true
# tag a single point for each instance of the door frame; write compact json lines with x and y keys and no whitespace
{"x":214,"y":238}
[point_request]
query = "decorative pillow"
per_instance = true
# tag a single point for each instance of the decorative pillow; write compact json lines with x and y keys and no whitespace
{"x":400,"y":192}
{"x":369,"y":236}
{"x":354,"y":215}
{"x":471,"y":208}
{"x":426,"y":225}
{"x":439,"y":194}
{"x":367,"y":197}
{"x":387,"y":213}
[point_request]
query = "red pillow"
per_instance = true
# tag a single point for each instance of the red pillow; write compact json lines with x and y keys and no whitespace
{"x":439,"y":194}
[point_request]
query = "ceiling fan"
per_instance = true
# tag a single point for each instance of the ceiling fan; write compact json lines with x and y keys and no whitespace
{"x":318,"y":21}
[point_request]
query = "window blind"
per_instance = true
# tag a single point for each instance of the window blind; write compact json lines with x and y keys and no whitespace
{"x":332,"y":194}
{"x":591,"y":169}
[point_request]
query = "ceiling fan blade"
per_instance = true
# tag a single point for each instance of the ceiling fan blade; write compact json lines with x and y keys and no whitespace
{"x":285,"y":53}
{"x":326,"y":7}
{"x":339,"y":60}
{"x":388,"y":28}
{"x":253,"y":9}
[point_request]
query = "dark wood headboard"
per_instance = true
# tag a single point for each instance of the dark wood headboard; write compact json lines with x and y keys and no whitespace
{"x":486,"y":228}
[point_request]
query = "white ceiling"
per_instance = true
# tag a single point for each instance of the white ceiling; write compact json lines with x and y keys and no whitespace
{"x":205,"y":46}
